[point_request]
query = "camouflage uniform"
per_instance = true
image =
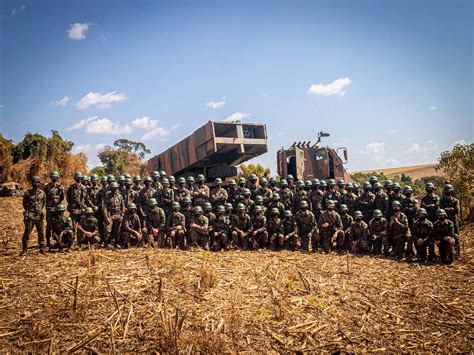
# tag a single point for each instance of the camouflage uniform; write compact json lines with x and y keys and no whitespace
{"x":290,"y":234}
{"x":266,"y":193}
{"x":129,"y":196}
{"x":394,"y":196}
{"x":365,"y":204}
{"x":248,"y":203}
{"x":259,"y":234}
{"x":54,"y":196}
{"x":114,"y":210}
{"x":430,"y":202}
{"x":451,"y":205}
{"x":34,"y":200}
{"x":143,"y":201}
{"x":350,"y":200}
{"x":286,"y":197}
{"x":400,"y":234}
{"x":346,"y":220}
{"x":381,"y":202}
{"x":199,"y":231}
{"x":378,"y":231}
{"x":307,"y":228}
{"x":200,"y":194}
{"x":181,"y":194}
{"x":155,"y":226}
{"x":221,"y":232}
{"x":88,"y":223}
{"x":298,"y":196}
{"x":276,"y":233}
{"x":330,"y":195}
{"x":63,"y":234}
{"x":76,"y":201}
{"x":165,"y":198}
{"x":422,"y":236}
{"x":409,"y":207}
{"x":218,"y":196}
{"x":441,"y":230}
{"x":176,"y":227}
{"x":130,"y":225}
{"x":359,"y":236}
{"x":241,"y":230}
{"x":332,"y":231}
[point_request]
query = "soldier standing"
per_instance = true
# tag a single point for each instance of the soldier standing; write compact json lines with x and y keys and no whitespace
{"x":365,"y":202}
{"x":381,"y":201}
{"x":430,"y":202}
{"x":34,"y":200}
{"x":54,"y":196}
{"x":286,"y":195}
{"x":182,"y":192}
{"x":156,"y":185}
{"x":300,"y":195}
{"x":265,"y":191}
{"x":165,"y":196}
{"x":232,"y":192}
{"x":200,"y":192}
{"x":76,"y":199}
{"x":409,"y":205}
{"x":275,"y":230}
{"x":346,"y":220}
{"x":316,"y":197}
{"x":306,"y":226}
{"x":147,"y":193}
{"x":113,"y":214}
{"x":137,"y":183}
{"x":219,"y":194}
{"x":450,"y":204}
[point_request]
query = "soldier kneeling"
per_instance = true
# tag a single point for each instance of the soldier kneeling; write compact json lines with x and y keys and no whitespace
{"x":176,"y":227}
{"x":422,"y":233}
{"x":378,"y":231}
{"x":290,"y":233}
{"x":443,"y":235}
{"x":155,"y":224}
{"x":199,"y":229}
{"x":221,"y":230}
{"x":131,"y":227}
{"x":260,"y":234}
{"x":63,"y":233}
{"x":359,"y":233}
{"x":275,"y":230}
{"x":88,"y":228}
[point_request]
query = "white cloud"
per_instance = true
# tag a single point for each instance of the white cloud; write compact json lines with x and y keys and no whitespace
{"x":104,"y":125}
{"x":461,"y":141}
{"x":156,"y":132}
{"x":334,"y":88}
{"x":81,"y":123}
{"x":392,"y":131}
{"x":432,"y":108}
{"x":62,"y":102}
{"x":215,"y":104}
{"x":374,"y":148}
{"x":17,"y":10}
{"x":77,"y":31}
{"x":145,"y":122}
{"x":429,"y":146}
{"x":237,"y":116}
{"x":88,"y":148}
{"x":101,"y":100}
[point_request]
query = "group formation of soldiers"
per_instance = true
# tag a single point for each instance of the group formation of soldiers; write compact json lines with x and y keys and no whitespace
{"x":249,"y":214}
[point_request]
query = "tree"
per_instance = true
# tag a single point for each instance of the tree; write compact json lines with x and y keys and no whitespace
{"x":32,"y":145}
{"x":6,"y":159}
{"x":126,"y":158}
{"x":129,"y":146}
{"x":247,"y":169}
{"x":458,"y":165}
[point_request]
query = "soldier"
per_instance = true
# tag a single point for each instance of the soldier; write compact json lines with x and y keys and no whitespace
{"x":422,"y":233}
{"x":259,"y":234}
{"x":273,"y":184}
{"x":188,"y":215}
{"x":450,"y":204}
{"x":207,"y":211}
{"x":409,"y":205}
{"x":88,"y":228}
{"x":341,"y":187}
{"x":290,"y":233}
{"x":346,"y":220}
{"x":430,"y":202}
{"x":291,"y":183}
{"x":241,"y":188}
{"x":300,"y":195}
{"x":265,"y":191}
{"x":276,"y":203}
{"x":395,"y":195}
{"x":443,"y":236}
{"x":330,"y":227}
{"x":172,"y":181}
{"x":258,"y":202}
{"x":76,"y":199}
{"x":378,"y":227}
{"x":359,"y":234}
{"x":147,"y":193}
{"x":190,"y":184}
{"x":121,"y":181}
{"x":155,"y":224}
{"x":316,"y":197}
{"x":54,"y":196}
{"x":100,"y":207}
{"x":165,"y":196}
{"x":62,"y":229}
{"x":221,"y":230}
{"x":286,"y":196}
{"x":199,"y":229}
{"x":181,"y":192}
{"x":247,"y":201}
{"x":232,"y":192}
{"x":323,"y":186}
{"x":114,"y":208}
{"x":306,"y":226}
{"x":387,"y":185}
{"x":241,"y":227}
{"x":200,"y":193}
{"x":276,"y":231}
{"x":219,"y":194}
{"x":93,"y":192}
{"x":131,"y":227}
{"x":349,"y":199}
{"x":331,"y":194}
{"x":176,"y":227}
{"x":365,"y":202}
{"x":399,"y":231}
{"x":155,"y":176}
{"x":381,"y":201}
{"x":34,"y":200}
{"x":373,"y":180}
{"x":129,"y":196}
{"x":253,"y":186}
{"x":137,"y":183}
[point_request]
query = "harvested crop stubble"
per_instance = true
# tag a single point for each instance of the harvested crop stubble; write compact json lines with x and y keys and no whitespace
{"x":169,"y":301}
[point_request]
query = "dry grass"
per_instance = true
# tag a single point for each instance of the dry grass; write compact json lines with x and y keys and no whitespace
{"x":170,"y":301}
{"x":415,"y":171}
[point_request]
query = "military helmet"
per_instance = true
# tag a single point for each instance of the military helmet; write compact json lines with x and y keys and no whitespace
{"x":110,"y":178}
{"x":275,"y":211}
{"x":94,"y":177}
{"x":128,"y":181}
{"x":162,"y":173}
{"x":387,"y":183}
{"x":187,"y":201}
{"x":103,"y":179}
{"x":246,"y":192}
{"x":366,"y":186}
{"x":377,"y":213}
{"x":263,"y":181}
{"x":232,"y":182}
{"x":396,"y":186}
{"x":54,"y":174}
{"x":323,"y":183}
{"x":448,"y":187}
{"x":283,"y":182}
{"x":175,"y":205}
{"x":85,"y":178}
{"x":343,"y":208}
{"x":88,"y":210}
{"x":316,"y":182}
{"x":421,"y":211}
{"x":349,"y":186}
{"x":258,"y":208}
{"x":147,"y":178}
{"x":358,"y":214}
{"x":300,"y":183}
{"x":276,"y":196}
{"x":356,"y":186}
{"x":152,"y":202}
{"x":165,"y":182}
{"x":303,"y":203}
{"x":377,"y":185}
{"x":35,"y":179}
{"x":258,"y":198}
{"x":127,"y":176}
{"x":220,"y":209}
{"x":396,"y":203}
{"x":200,"y":178}
{"x":290,"y":177}
{"x":131,"y":206}
{"x":228,"y":206}
{"x":331,"y":203}
{"x":218,"y":181}
{"x":441,"y":212}
{"x":197,"y":209}
{"x":114,"y":184}
{"x":407,"y":189}
{"x":137,"y":178}
{"x":272,"y":179}
{"x":307,"y":183}
{"x":155,"y":173}
{"x":242,"y":180}
{"x":252,"y":177}
{"x":121,"y":178}
{"x":331,"y":182}
{"x":288,"y":213}
{"x":189,"y":179}
{"x":171,"y":179}
{"x":60,"y":208}
{"x":373,"y":179}
{"x":77,"y":175}
{"x":181,"y":180}
{"x":340,"y":182}
{"x":240,"y":207}
{"x":207,"y":206}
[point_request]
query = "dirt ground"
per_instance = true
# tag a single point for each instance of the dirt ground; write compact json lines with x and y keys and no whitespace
{"x":414,"y":171}
{"x":169,"y":301}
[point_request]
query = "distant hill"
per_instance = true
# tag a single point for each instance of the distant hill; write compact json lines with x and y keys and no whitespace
{"x":415,"y":171}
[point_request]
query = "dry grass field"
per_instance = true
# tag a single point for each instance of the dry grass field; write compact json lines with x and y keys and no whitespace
{"x":415,"y":171}
{"x":173,"y":301}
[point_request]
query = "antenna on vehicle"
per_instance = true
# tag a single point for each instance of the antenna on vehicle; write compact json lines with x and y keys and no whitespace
{"x":320,"y":135}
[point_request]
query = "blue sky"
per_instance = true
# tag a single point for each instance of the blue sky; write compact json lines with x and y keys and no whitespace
{"x":390,"y":80}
